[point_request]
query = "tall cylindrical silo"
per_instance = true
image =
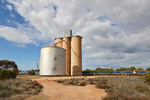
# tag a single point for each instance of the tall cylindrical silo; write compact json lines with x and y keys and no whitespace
{"x":53,"y":61}
{"x":67,"y":47}
{"x":59,"y":42}
{"x":76,"y":55}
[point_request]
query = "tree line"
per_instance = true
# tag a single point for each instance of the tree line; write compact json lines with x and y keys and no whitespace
{"x":119,"y":69}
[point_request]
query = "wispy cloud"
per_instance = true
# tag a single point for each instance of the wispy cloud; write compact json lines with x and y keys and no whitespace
{"x":9,"y":7}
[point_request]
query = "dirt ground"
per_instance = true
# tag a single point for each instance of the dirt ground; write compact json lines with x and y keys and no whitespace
{"x":55,"y":91}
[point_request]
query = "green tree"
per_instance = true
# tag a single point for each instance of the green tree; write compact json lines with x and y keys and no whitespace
{"x":98,"y":69}
{"x":5,"y":64}
{"x":88,"y":70}
{"x":9,"y":65}
{"x":148,"y":69}
{"x":104,"y":69}
{"x":140,"y":69}
{"x":32,"y":72}
{"x":121,"y":69}
{"x":132,"y":68}
{"x":127,"y":69}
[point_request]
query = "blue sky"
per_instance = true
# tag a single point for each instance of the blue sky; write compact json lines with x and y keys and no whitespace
{"x":9,"y":17}
{"x":115,"y":33}
{"x":25,"y":57}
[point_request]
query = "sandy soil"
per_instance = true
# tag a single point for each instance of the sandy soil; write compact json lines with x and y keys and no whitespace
{"x":55,"y":91}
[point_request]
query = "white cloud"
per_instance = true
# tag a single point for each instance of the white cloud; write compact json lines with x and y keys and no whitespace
{"x":115,"y":32}
{"x":9,"y":7}
{"x":16,"y":35}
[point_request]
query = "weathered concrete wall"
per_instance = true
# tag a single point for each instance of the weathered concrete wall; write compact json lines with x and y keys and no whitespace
{"x":76,"y":55}
{"x":59,"y":42}
{"x":53,"y":61}
{"x":67,"y":47}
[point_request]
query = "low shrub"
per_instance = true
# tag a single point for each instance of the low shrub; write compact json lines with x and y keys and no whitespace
{"x":119,"y":96}
{"x":109,"y":90}
{"x":147,"y":78}
{"x":36,"y":92}
{"x":141,"y":88}
{"x":6,"y":74}
{"x":81,"y":83}
{"x":102,"y":85}
{"x":11,"y":89}
{"x":60,"y":81}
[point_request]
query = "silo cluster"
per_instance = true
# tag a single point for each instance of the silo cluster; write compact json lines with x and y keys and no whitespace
{"x":73,"y":47}
{"x":72,"y":60}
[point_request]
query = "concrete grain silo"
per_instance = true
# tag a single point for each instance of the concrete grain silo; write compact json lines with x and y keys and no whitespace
{"x":76,"y":55}
{"x":67,"y":47}
{"x":64,"y":57}
{"x":59,"y":42}
{"x":52,"y":61}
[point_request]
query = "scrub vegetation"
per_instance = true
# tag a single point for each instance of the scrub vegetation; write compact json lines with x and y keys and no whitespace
{"x":18,"y":89}
{"x":147,"y":78}
{"x":8,"y":69}
{"x":7,"y":74}
{"x":118,"y":88}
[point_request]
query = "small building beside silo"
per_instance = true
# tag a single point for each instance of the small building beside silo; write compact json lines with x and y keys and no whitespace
{"x":52,"y":61}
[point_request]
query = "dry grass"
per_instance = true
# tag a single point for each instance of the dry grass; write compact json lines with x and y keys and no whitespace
{"x":128,"y":88}
{"x":118,"y":88}
{"x":17,"y":89}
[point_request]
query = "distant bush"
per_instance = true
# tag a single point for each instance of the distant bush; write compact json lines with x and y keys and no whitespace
{"x":6,"y":74}
{"x":32,"y":72}
{"x":148,"y":69}
{"x":88,"y":70}
{"x":141,"y":69}
{"x":147,"y":78}
{"x":104,"y":69}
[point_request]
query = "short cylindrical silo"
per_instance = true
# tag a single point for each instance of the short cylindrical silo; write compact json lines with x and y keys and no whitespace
{"x":53,"y":61}
{"x":76,"y":55}
{"x":67,"y":47}
{"x":59,"y":42}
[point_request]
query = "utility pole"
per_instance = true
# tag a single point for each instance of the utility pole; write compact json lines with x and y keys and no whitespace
{"x":37,"y":65}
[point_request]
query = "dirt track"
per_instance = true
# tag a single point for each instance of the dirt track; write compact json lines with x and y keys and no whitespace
{"x":56,"y":91}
